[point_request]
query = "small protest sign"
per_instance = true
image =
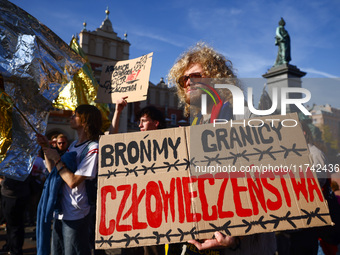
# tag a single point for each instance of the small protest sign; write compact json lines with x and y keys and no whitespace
{"x":125,"y":78}
{"x":251,"y":179}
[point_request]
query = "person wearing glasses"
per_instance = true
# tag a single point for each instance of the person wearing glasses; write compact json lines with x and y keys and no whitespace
{"x":62,"y":144}
{"x":202,"y":61}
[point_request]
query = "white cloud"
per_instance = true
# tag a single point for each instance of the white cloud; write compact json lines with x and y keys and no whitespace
{"x":158,"y":37}
{"x":318,"y":72}
{"x":234,"y":11}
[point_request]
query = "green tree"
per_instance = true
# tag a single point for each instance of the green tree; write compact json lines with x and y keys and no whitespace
{"x":328,"y":138}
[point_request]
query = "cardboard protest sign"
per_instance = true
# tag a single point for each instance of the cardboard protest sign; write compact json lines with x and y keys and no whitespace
{"x":125,"y":78}
{"x":174,"y":185}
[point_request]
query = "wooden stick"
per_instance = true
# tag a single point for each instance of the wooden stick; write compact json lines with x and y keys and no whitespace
{"x":24,"y":117}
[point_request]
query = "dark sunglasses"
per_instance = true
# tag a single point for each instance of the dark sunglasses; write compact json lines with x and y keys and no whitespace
{"x":61,"y":142}
{"x":182,"y":81}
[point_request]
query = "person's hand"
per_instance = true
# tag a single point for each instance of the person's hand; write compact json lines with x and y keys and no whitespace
{"x":220,"y":241}
{"x":42,"y":140}
{"x":121,"y":103}
{"x":51,"y":154}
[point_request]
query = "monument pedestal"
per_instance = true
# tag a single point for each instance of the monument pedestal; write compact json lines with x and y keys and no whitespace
{"x":284,"y":76}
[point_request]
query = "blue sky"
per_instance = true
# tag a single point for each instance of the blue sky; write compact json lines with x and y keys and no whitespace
{"x":243,"y":31}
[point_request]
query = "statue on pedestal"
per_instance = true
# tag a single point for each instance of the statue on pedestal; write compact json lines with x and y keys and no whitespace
{"x":282,"y":40}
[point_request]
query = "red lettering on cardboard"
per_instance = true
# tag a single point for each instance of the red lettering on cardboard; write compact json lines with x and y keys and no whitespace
{"x":154,"y":217}
{"x":103,"y":230}
{"x":272,"y":205}
{"x":286,"y":194}
{"x":168,"y":198}
{"x":159,"y":200}
{"x":180,"y":200}
{"x":313,"y":186}
{"x":299,"y":186}
{"x":204,"y":202}
{"x":191,"y":217}
{"x":127,"y":191}
{"x":256,"y":191}
{"x":223,"y":214}
{"x":237,"y":189}
{"x":134,"y":208}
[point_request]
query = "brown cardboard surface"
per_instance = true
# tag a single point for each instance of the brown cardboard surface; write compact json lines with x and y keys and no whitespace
{"x":147,"y":194}
{"x":125,"y":78}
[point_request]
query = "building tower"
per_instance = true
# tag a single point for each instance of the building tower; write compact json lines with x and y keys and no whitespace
{"x":103,"y":45}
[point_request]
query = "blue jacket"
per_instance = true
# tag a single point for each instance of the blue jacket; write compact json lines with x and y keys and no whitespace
{"x":49,"y":203}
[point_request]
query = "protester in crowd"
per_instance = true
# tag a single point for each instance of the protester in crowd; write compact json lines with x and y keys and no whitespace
{"x":307,"y":240}
{"x":53,"y":141}
{"x":62,"y":144}
{"x":70,"y":234}
{"x":2,"y":218}
{"x":150,"y":118}
{"x":36,"y":179}
{"x":15,"y":195}
{"x":335,"y":188}
{"x":304,"y":241}
{"x":202,"y":61}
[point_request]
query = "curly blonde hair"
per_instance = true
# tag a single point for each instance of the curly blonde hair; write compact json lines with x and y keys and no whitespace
{"x":214,"y":65}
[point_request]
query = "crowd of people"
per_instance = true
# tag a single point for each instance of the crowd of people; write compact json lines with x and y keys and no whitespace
{"x":71,"y":173}
{"x":19,"y":199}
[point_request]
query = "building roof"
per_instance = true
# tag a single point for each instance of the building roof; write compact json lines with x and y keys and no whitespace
{"x":324,"y":109}
{"x":106,"y":24}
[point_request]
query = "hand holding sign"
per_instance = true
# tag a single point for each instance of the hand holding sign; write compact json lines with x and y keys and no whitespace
{"x":220,"y":241}
{"x":121,"y":103}
{"x":128,"y":77}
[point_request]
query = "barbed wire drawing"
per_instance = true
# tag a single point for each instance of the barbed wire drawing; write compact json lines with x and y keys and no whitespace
{"x":225,"y":228}
{"x":259,"y":155}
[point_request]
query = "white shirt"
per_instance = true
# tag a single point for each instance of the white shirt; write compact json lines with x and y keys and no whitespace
{"x":74,"y":202}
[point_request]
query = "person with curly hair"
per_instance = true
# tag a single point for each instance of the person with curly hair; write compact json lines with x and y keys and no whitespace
{"x":202,"y":61}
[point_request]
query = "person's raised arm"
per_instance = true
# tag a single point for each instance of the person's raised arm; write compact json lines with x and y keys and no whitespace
{"x":120,"y":105}
{"x":52,"y":158}
{"x":45,"y":145}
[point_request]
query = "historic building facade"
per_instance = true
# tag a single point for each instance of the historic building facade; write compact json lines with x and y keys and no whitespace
{"x":327,"y":118}
{"x":104,"y":45}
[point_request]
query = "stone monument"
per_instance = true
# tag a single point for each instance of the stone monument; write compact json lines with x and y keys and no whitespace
{"x":283,"y":74}
{"x":282,"y":40}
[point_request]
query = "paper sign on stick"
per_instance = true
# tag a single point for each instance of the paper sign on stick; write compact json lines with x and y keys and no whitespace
{"x":173,"y":185}
{"x":125,"y":78}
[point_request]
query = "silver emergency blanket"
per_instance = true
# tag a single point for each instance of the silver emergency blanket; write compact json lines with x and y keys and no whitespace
{"x":36,"y":65}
